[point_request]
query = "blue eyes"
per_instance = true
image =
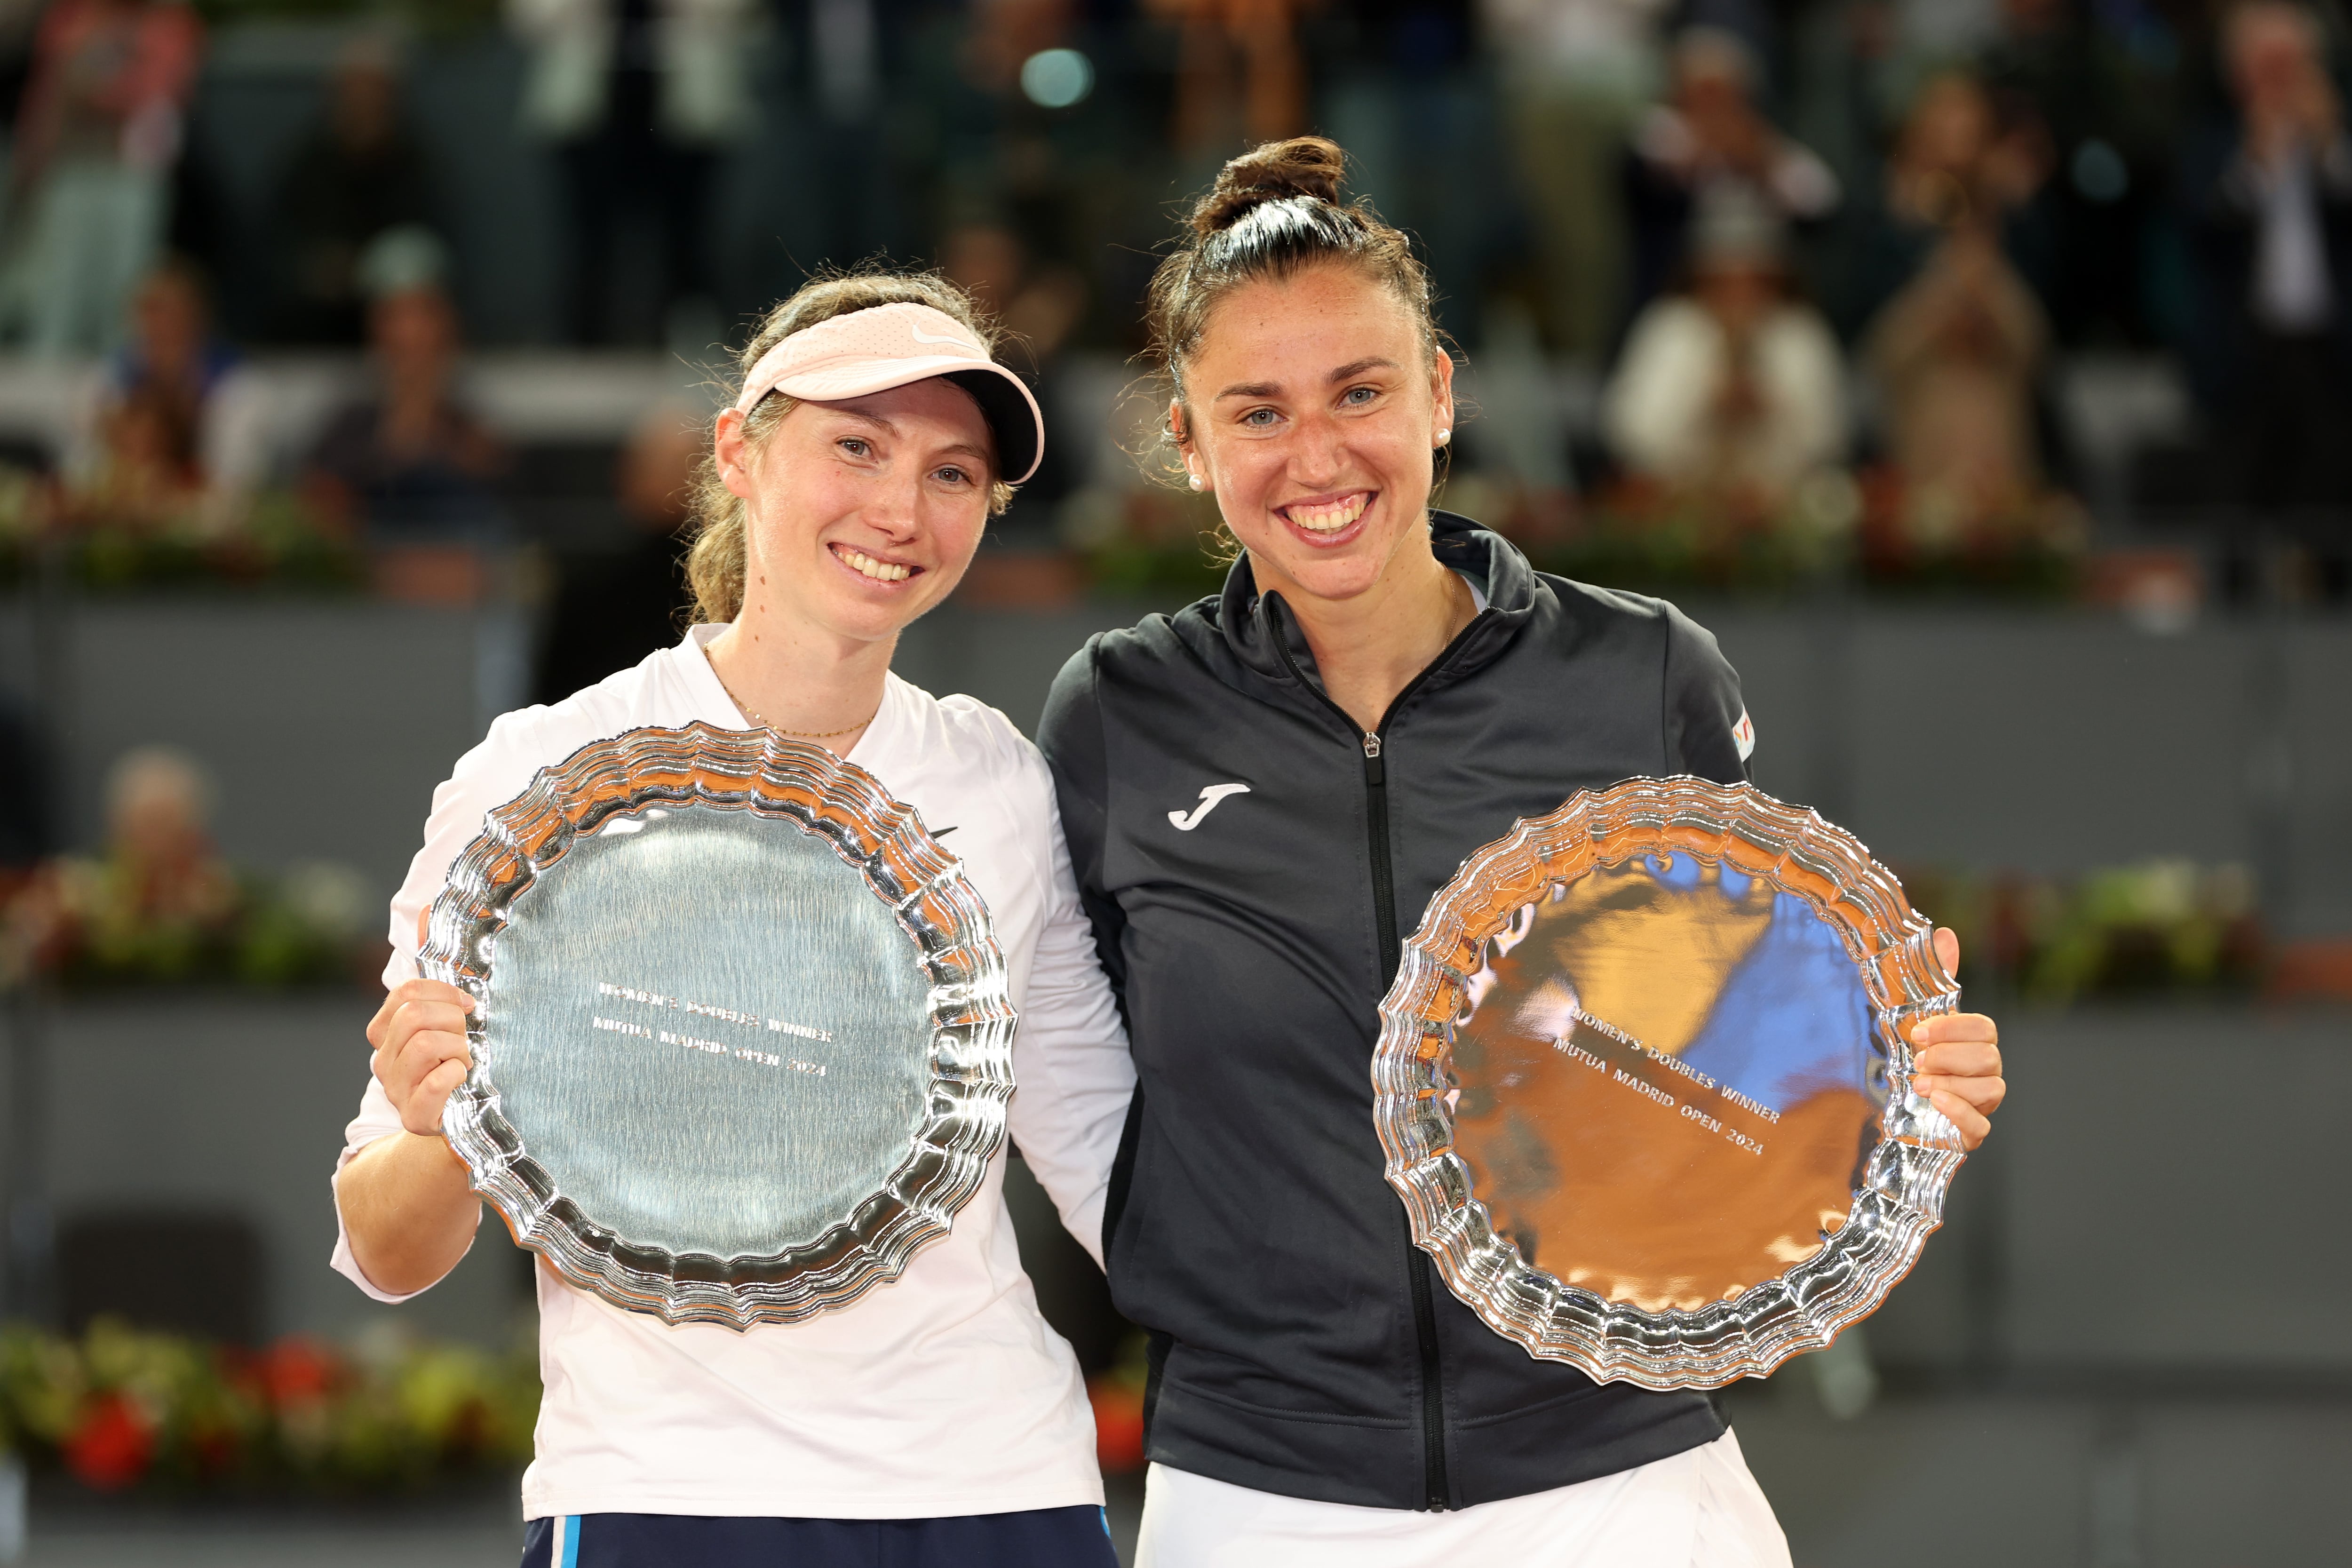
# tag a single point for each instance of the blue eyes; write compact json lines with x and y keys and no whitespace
{"x":1354,"y":397}
{"x":857,"y":447}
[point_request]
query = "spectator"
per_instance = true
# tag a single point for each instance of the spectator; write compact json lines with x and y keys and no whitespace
{"x":637,"y":97}
{"x":1708,"y":136}
{"x":95,"y":143}
{"x":160,"y":863}
{"x":850,"y":142}
{"x":1735,"y":387}
{"x":1039,"y":306}
{"x":2271,"y":223}
{"x":1956,"y":350}
{"x":410,"y":462}
{"x":1240,"y":77}
{"x":613,"y":609}
{"x":1575,"y":74}
{"x":1403,"y":86}
{"x":176,"y":387}
{"x":2100,"y":81}
{"x":357,"y":174}
{"x":1957,"y":163}
{"x":19,"y":21}
{"x":143,"y":475}
{"x":1956,"y":354}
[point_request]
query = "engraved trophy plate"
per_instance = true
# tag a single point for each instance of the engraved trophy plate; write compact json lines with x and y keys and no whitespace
{"x":1643,"y":1083}
{"x":743,"y":1039}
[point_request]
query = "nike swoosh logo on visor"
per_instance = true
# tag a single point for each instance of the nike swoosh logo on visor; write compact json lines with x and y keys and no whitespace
{"x":923,"y":337}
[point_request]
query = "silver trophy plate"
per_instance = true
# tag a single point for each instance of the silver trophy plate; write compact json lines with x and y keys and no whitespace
{"x":1644,"y":1086}
{"x":743,"y":1039}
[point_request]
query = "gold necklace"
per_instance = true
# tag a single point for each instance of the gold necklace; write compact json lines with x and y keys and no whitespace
{"x":753,"y":714}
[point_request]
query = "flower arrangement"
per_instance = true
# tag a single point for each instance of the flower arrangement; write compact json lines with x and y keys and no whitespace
{"x":1916,"y":538}
{"x":161,"y":905}
{"x":1870,"y":530}
{"x":1117,"y":1395}
{"x":2158,"y":928}
{"x":1147,"y":543}
{"x":1641,"y":533}
{"x":110,"y":537}
{"x":119,"y":1409}
{"x":87,"y":923}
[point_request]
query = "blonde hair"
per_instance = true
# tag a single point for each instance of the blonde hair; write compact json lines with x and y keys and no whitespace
{"x":716,"y":561}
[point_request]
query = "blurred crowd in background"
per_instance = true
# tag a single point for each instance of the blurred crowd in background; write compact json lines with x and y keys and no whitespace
{"x":1744,"y":287}
{"x":1798,"y":299}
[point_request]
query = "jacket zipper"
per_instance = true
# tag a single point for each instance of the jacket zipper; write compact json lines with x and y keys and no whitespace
{"x":1436,"y":1487}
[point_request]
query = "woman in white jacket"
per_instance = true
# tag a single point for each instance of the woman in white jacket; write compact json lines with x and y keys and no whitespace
{"x":939,"y":1421}
{"x":1734,"y":385}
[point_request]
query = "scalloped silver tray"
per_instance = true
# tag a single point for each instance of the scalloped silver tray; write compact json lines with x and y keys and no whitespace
{"x":1643,"y":1087}
{"x":743,"y":1037}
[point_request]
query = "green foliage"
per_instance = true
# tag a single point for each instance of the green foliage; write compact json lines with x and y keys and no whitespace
{"x":276,"y":548}
{"x":2159,"y":928}
{"x":1164,"y":546}
{"x":1827,"y":532}
{"x":86,"y":924}
{"x":272,"y":541}
{"x":121,"y":1409}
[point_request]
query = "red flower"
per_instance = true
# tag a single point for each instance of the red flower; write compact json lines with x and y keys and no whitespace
{"x":111,"y":1448}
{"x":215,"y":1445}
{"x":1119,"y":1424}
{"x":297,"y":1371}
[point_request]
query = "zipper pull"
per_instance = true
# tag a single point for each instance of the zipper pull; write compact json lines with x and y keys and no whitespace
{"x":1371,"y":744}
{"x":1374,"y":773}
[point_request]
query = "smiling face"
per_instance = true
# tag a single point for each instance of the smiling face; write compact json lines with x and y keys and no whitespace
{"x":1313,"y":410}
{"x":859,"y":515}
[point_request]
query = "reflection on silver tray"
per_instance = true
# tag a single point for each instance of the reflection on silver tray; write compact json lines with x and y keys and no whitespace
{"x":1643,"y":1083}
{"x":743,"y":1036}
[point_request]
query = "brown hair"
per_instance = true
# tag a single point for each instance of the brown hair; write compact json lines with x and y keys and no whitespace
{"x":1274,"y":212}
{"x":716,"y":563}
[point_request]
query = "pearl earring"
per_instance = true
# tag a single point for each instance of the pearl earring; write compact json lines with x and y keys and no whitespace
{"x":1196,"y":482}
{"x":1443,"y":436}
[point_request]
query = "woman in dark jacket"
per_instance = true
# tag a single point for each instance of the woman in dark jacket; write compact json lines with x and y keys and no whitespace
{"x":1261,"y":792}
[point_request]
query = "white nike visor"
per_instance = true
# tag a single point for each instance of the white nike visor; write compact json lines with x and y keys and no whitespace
{"x":884,"y":346}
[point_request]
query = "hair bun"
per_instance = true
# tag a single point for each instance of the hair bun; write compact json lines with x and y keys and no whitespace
{"x":1302,"y":166}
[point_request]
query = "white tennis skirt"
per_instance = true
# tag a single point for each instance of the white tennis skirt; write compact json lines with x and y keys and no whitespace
{"x":1700,"y":1508}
